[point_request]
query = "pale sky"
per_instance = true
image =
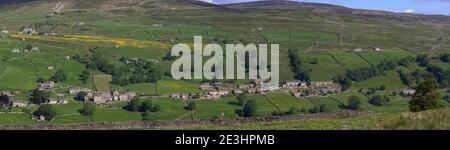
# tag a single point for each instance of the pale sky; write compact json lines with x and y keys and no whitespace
{"x":408,"y":6}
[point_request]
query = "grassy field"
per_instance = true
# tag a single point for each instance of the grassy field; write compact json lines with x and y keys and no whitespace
{"x":430,"y":120}
{"x":102,"y":82}
{"x":391,"y":80}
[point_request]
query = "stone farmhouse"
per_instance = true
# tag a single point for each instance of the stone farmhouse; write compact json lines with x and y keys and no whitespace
{"x":408,"y":92}
{"x":46,"y":85}
{"x":321,"y":84}
{"x":27,"y":31}
{"x":57,"y":101}
{"x":74,"y":90}
{"x":107,"y":97}
{"x":19,"y":103}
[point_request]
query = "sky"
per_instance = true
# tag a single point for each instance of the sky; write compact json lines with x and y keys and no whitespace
{"x":408,"y":6}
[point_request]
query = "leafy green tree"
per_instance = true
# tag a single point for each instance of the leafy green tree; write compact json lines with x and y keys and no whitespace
{"x":426,"y":97}
{"x":80,"y":96}
{"x":59,"y":76}
{"x":148,"y":106}
{"x":354,"y":103}
{"x":28,"y":47}
{"x":88,"y":109}
{"x":249,"y":108}
{"x":378,"y":100}
{"x":191,"y":106}
{"x":85,"y":76}
{"x":318,"y":109}
{"x":46,"y":110}
{"x":27,"y":111}
{"x":241,"y":99}
{"x":4,"y":100}
{"x":134,"y":105}
{"x":39,"y":97}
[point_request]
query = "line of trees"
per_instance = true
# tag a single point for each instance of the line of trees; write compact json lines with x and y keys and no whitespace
{"x":441,"y":75}
{"x":345,"y":80}
{"x":296,"y":66}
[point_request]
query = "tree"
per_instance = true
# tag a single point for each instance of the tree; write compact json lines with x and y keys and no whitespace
{"x":4,"y":101}
{"x":59,"y":76}
{"x":46,"y":110}
{"x":40,"y":80}
{"x":422,"y":60}
{"x":28,"y":47}
{"x":318,"y":109}
{"x":81,"y":96}
{"x":88,"y":109}
{"x":426,"y":97}
{"x":249,"y":108}
{"x":191,"y":106}
{"x":378,"y":100}
{"x":85,"y":76}
{"x":241,"y":99}
{"x":39,"y":97}
{"x":134,"y":105}
{"x":148,"y":106}
{"x":27,"y":111}
{"x":354,"y":103}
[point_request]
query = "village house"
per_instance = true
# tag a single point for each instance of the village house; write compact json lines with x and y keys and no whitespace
{"x":19,"y":103}
{"x":209,"y":97}
{"x":158,"y":25}
{"x":75,"y":90}
{"x":206,"y":86}
{"x":408,"y":92}
{"x":102,"y":97}
{"x":251,"y":90}
{"x":57,"y":101}
{"x":27,"y":31}
{"x":67,"y":57}
{"x":46,"y":85}
{"x":311,"y":93}
{"x":34,"y":48}
{"x":79,"y":23}
{"x":5,"y":31}
{"x":298,"y":94}
{"x":245,"y":87}
{"x":15,"y":50}
{"x":180,"y":96}
{"x":292,"y":84}
{"x":50,"y":67}
{"x":7,"y":93}
{"x":357,"y":50}
{"x":127,"y":96}
{"x":321,"y":83}
{"x":377,"y":49}
{"x":237,"y":92}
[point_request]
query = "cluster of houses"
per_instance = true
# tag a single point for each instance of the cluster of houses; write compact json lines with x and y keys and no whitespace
{"x":310,"y":89}
{"x":32,"y":49}
{"x":103,"y":97}
{"x":46,"y":85}
{"x":407,"y":92}
{"x":358,"y":49}
{"x":218,"y":90}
